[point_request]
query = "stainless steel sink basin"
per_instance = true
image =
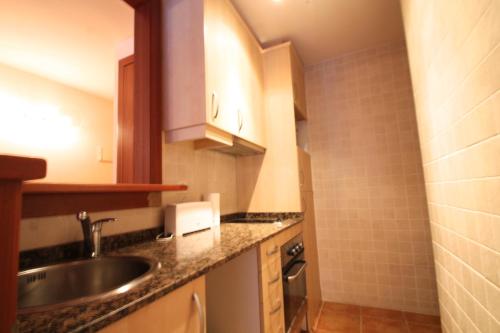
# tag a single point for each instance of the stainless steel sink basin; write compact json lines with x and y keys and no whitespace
{"x":81,"y":281}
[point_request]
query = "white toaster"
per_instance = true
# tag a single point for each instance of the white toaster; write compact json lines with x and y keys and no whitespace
{"x":187,"y":217}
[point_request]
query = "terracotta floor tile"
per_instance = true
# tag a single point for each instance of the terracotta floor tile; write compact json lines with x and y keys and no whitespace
{"x":338,"y":322}
{"x":420,"y":328}
{"x":422,"y":319}
{"x":345,"y":318}
{"x":382,"y":325}
{"x":338,"y":307}
{"x":381,"y":313}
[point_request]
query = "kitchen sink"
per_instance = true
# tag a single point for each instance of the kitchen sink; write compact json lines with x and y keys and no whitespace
{"x":80,"y":281}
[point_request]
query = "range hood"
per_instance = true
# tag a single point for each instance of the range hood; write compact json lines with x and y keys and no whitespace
{"x":206,"y":136}
{"x":237,"y":146}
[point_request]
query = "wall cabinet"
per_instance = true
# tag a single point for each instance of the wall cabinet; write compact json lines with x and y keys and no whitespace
{"x":298,"y":85}
{"x":268,"y":183}
{"x":213,"y":75}
{"x":309,"y":230}
{"x":181,"y":311}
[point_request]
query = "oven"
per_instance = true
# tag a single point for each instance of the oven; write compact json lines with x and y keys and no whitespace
{"x":293,"y":268}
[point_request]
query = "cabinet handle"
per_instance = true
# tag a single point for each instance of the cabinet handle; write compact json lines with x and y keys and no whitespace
{"x":240,"y":121}
{"x":273,"y":251}
{"x":201,"y":313}
{"x":301,"y":177}
{"x":304,"y":202}
{"x":276,"y":309}
{"x":276,"y":279}
{"x":215,"y":106}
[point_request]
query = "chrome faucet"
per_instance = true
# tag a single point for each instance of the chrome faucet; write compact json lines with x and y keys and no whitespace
{"x":92,"y":233}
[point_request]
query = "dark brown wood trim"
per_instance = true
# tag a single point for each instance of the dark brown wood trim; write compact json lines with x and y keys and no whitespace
{"x":21,"y":168}
{"x":135,"y":3}
{"x":125,"y":144}
{"x":52,"y":204}
{"x":54,"y":188}
{"x":45,"y":199}
{"x":147,"y":92}
{"x":13,"y":170}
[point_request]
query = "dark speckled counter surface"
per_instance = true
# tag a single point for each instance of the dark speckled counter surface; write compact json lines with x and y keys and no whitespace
{"x":182,"y":259}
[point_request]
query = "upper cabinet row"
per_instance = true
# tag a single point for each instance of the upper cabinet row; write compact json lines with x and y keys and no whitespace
{"x":213,"y":88}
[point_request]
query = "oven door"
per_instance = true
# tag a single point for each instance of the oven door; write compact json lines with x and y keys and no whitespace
{"x":294,"y":289}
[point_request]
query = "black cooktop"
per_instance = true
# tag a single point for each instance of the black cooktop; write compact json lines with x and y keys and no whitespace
{"x":253,"y":220}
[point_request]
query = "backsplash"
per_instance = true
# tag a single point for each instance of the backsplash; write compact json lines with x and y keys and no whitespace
{"x":54,"y":230}
{"x":203,"y":171}
{"x":74,"y":250}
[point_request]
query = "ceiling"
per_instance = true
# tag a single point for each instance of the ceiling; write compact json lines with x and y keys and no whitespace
{"x":75,"y":41}
{"x":70,"y":41}
{"x":322,"y":29}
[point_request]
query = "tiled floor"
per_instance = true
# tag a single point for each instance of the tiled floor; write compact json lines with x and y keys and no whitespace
{"x":343,"y":318}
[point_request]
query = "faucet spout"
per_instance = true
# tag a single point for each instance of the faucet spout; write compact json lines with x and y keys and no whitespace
{"x":91,"y":234}
{"x":86,"y":224}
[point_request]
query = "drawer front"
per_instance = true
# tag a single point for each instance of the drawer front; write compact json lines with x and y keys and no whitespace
{"x":276,"y":318}
{"x":270,"y":250}
{"x":273,"y":279}
{"x":271,"y":270}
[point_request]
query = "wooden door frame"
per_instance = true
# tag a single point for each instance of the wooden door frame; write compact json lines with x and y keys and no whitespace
{"x":14,"y":170}
{"x":147,"y":139}
{"x":124,"y":166}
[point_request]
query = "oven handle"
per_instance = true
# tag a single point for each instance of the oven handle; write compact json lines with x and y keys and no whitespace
{"x":291,"y":278}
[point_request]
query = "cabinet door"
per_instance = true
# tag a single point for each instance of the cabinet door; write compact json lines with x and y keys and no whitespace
{"x":233,"y":73}
{"x":251,"y":122}
{"x":251,"y":104}
{"x":311,"y":255}
{"x":181,"y":311}
{"x":221,"y":70}
{"x":298,"y":85}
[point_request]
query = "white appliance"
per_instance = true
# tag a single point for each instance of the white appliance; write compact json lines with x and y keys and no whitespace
{"x":214,"y":198}
{"x":187,"y":217}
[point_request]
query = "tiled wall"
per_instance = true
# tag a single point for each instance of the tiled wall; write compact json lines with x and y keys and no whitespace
{"x":455,"y":67}
{"x":203,"y":171}
{"x":372,"y":222}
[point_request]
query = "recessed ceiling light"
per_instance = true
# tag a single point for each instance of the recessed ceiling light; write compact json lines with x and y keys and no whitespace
{"x":277,"y":1}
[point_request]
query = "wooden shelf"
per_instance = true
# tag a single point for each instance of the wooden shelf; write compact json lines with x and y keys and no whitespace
{"x":21,"y":168}
{"x":51,"y":199}
{"x":56,"y":188}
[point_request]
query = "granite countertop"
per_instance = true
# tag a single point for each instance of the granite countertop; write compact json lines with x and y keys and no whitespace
{"x":182,"y":260}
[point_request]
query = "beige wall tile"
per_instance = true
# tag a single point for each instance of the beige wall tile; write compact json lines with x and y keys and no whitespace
{"x":457,"y":106}
{"x":368,"y":182}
